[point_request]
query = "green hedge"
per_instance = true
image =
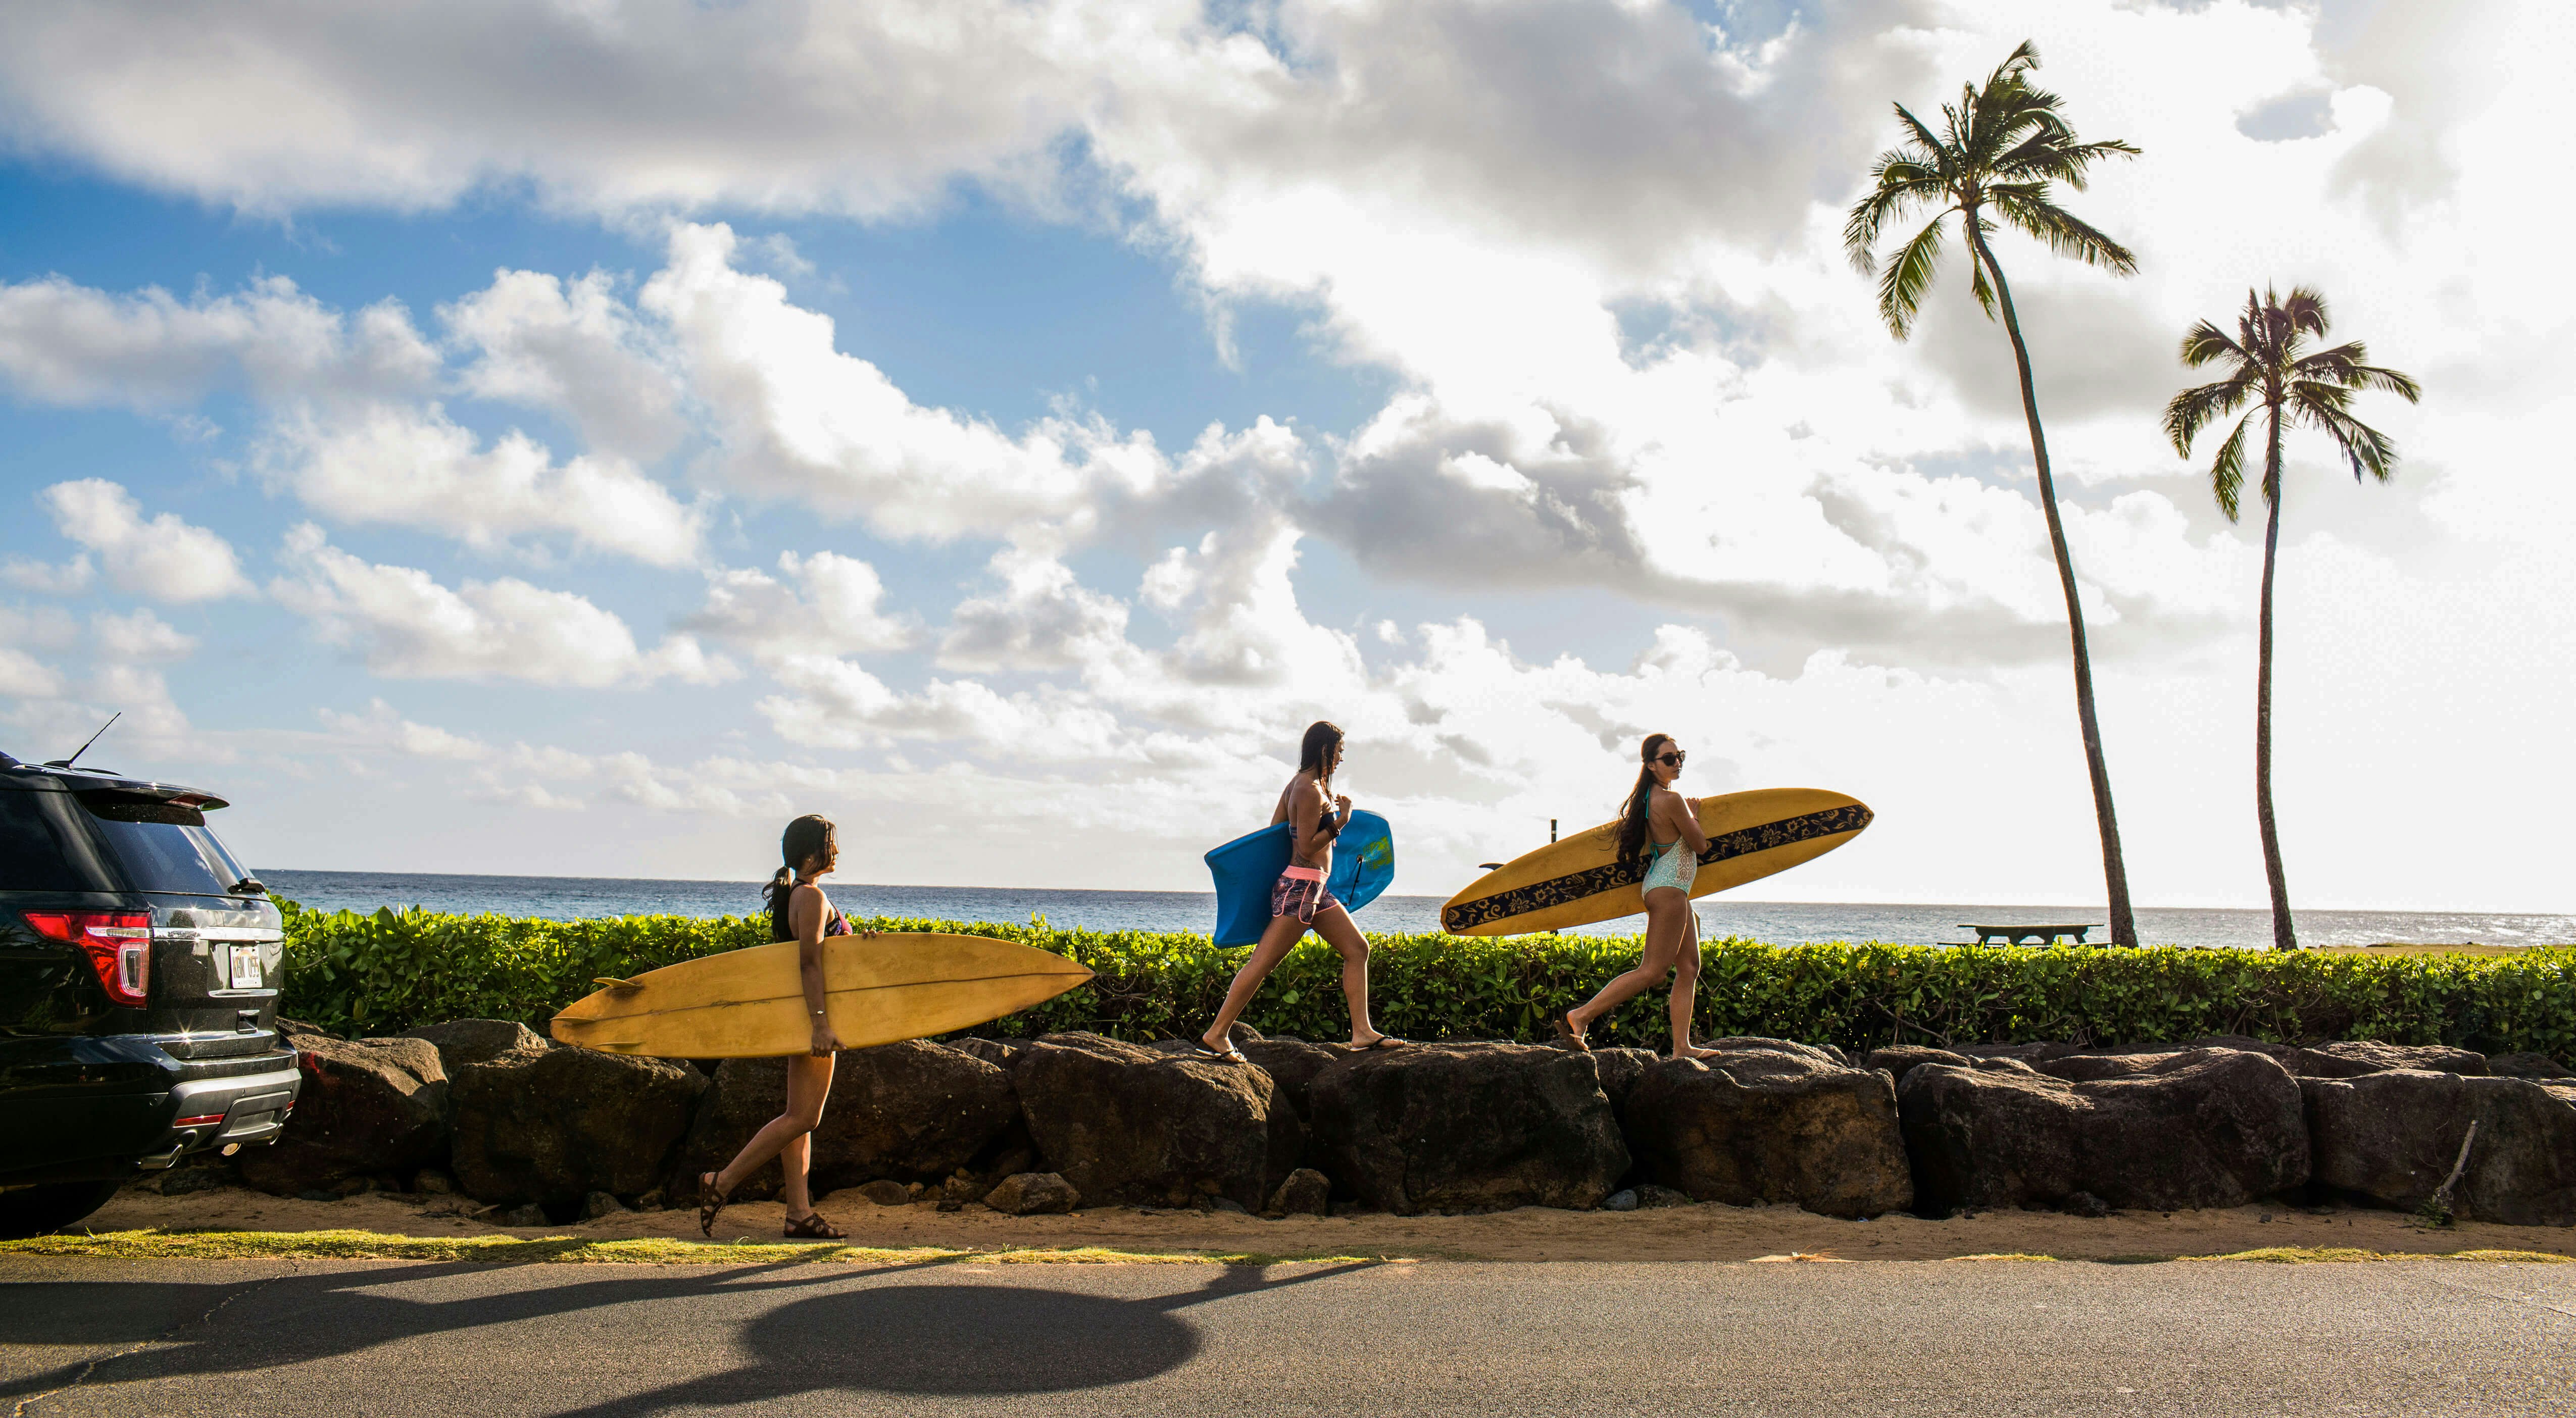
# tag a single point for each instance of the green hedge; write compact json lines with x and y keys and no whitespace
{"x":390,"y":971}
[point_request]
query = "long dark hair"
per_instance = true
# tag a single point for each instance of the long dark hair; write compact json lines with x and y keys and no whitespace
{"x":808,"y":836}
{"x":1641,"y":800}
{"x":1315,"y":754}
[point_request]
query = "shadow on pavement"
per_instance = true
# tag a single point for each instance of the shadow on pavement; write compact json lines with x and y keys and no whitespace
{"x":860,"y":1334}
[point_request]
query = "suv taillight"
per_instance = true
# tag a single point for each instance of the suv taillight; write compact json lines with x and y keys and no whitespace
{"x":118,"y":944}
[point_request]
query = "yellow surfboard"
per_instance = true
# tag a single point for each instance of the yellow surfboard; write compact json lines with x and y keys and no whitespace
{"x":1581,"y":880}
{"x":751,"y":1004}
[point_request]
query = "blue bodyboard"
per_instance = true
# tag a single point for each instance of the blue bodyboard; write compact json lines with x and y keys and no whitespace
{"x":1247,"y":867}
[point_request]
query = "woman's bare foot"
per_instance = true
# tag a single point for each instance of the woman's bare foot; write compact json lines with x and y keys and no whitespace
{"x":1693,"y":1051}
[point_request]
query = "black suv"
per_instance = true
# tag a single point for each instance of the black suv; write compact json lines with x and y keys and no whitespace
{"x":138,"y":998}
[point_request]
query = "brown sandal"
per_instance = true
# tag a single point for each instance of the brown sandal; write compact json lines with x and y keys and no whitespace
{"x":710,"y":1202}
{"x":814,"y":1228}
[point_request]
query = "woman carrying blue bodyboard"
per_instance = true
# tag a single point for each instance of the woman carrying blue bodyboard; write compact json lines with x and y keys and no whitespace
{"x":1299,"y":900}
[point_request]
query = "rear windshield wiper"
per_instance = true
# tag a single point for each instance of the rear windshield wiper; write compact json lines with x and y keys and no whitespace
{"x":248,"y":886}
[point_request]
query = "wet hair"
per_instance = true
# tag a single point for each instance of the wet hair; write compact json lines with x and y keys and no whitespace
{"x":807,"y":837}
{"x":1641,"y":800}
{"x":1315,"y":754}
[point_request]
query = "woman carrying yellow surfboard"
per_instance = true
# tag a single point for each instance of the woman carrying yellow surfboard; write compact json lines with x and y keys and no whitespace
{"x":798,"y":911}
{"x":1660,"y":827}
{"x":1299,"y":900}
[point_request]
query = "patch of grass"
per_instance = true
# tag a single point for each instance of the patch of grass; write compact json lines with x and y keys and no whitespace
{"x":576,"y":1250}
{"x":2316,"y":1255}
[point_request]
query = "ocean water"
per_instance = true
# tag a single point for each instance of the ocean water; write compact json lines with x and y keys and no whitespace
{"x":1780,"y":922}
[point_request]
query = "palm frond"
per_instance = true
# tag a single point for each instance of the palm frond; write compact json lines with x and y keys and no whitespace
{"x":2205,"y":342}
{"x":2042,"y":159}
{"x":1900,"y":289}
{"x":2227,"y":470}
{"x":1977,"y":283}
{"x":2317,"y":394}
{"x":2194,"y":409}
{"x":2348,"y":365}
{"x":2365,"y":448}
{"x":1890,"y":199}
{"x":2027,"y":207}
{"x":1923,"y":136}
{"x":2306,"y":310}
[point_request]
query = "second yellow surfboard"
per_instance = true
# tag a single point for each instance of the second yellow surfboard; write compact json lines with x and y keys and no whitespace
{"x":751,"y":1003}
{"x":1581,"y":880}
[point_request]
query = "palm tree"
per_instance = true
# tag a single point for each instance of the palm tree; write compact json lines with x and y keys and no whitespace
{"x":1999,"y":150}
{"x":2266,"y":366}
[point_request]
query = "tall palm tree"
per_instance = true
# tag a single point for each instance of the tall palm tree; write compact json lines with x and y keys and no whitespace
{"x":2266,"y":366}
{"x":1999,"y":150}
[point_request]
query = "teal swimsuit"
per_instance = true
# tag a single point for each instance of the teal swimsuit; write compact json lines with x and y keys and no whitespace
{"x":1672,"y":866}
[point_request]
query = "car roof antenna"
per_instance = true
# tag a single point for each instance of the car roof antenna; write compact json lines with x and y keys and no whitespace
{"x":84,"y":748}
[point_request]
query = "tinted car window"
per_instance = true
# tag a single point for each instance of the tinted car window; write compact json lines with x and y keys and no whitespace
{"x":44,"y":846}
{"x":163,"y":847}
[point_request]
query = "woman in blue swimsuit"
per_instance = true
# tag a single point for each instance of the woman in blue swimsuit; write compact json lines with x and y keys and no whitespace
{"x":1661,"y":828}
{"x":798,"y":911}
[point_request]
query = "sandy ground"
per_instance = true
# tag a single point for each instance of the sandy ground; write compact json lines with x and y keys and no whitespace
{"x":1704,"y":1233}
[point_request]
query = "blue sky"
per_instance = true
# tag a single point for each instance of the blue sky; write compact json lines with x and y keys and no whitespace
{"x":1005,"y":436}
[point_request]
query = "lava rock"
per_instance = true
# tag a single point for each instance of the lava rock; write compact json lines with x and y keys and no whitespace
{"x":2392,"y":1137}
{"x":529,"y":1214}
{"x":1033,"y":1194}
{"x":599,"y":1204}
{"x":1130,"y":1126}
{"x":910,"y":1111}
{"x":1462,"y":1127}
{"x":1621,"y":1070}
{"x":2353,"y":1058}
{"x":1624,"y":1199}
{"x":2527,"y":1066}
{"x":429,"y":1181}
{"x":1293,"y":1065}
{"x":1307,"y":1192}
{"x":886,"y":1192}
{"x":1654,"y":1198}
{"x":371,"y":1105}
{"x":1772,"y":1121}
{"x":556,"y":1123}
{"x":2203,"y":1128}
{"x":471,"y":1041}
{"x":1897,"y":1059}
{"x":996,"y":1052}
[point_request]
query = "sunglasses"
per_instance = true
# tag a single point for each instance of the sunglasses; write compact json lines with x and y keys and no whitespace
{"x":1673,"y":759}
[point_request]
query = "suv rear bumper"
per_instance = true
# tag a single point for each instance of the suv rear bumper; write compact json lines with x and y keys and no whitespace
{"x":82,"y":1134}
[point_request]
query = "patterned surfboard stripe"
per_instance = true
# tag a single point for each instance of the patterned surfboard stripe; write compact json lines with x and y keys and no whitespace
{"x":1610,"y":876}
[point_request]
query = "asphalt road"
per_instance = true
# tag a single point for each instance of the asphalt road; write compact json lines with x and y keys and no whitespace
{"x":285,"y":1340}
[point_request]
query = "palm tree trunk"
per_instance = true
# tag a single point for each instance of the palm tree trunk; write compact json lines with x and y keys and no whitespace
{"x":2115,"y":873}
{"x":2284,"y":937}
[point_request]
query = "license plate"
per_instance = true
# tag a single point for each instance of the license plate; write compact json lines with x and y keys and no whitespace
{"x":245,"y":967}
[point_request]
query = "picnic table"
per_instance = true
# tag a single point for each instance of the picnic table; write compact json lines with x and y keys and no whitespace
{"x":2036,"y":935}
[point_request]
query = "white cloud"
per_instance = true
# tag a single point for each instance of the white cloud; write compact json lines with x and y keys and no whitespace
{"x":69,"y":579}
{"x":827,"y":604}
{"x":405,"y":625}
{"x":382,"y":727}
{"x":28,"y":677}
{"x":418,"y":468}
{"x":574,"y":346}
{"x":68,"y":344}
{"x":865,"y":109}
{"x":164,"y":558}
{"x":800,"y":419}
{"x":140,"y":635}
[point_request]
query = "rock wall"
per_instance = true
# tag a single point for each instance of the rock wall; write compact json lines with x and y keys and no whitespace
{"x":512,"y":1119}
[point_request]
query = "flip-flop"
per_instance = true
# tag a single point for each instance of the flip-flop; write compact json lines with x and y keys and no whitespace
{"x":1229,"y":1053}
{"x":1384,"y":1041}
{"x":1563,"y":1023}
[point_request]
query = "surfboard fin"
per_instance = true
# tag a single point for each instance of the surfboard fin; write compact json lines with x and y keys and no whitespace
{"x":615,"y":983}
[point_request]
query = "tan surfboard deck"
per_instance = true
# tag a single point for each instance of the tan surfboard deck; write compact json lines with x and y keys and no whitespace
{"x":1580,"y":880}
{"x":751,"y":1003}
